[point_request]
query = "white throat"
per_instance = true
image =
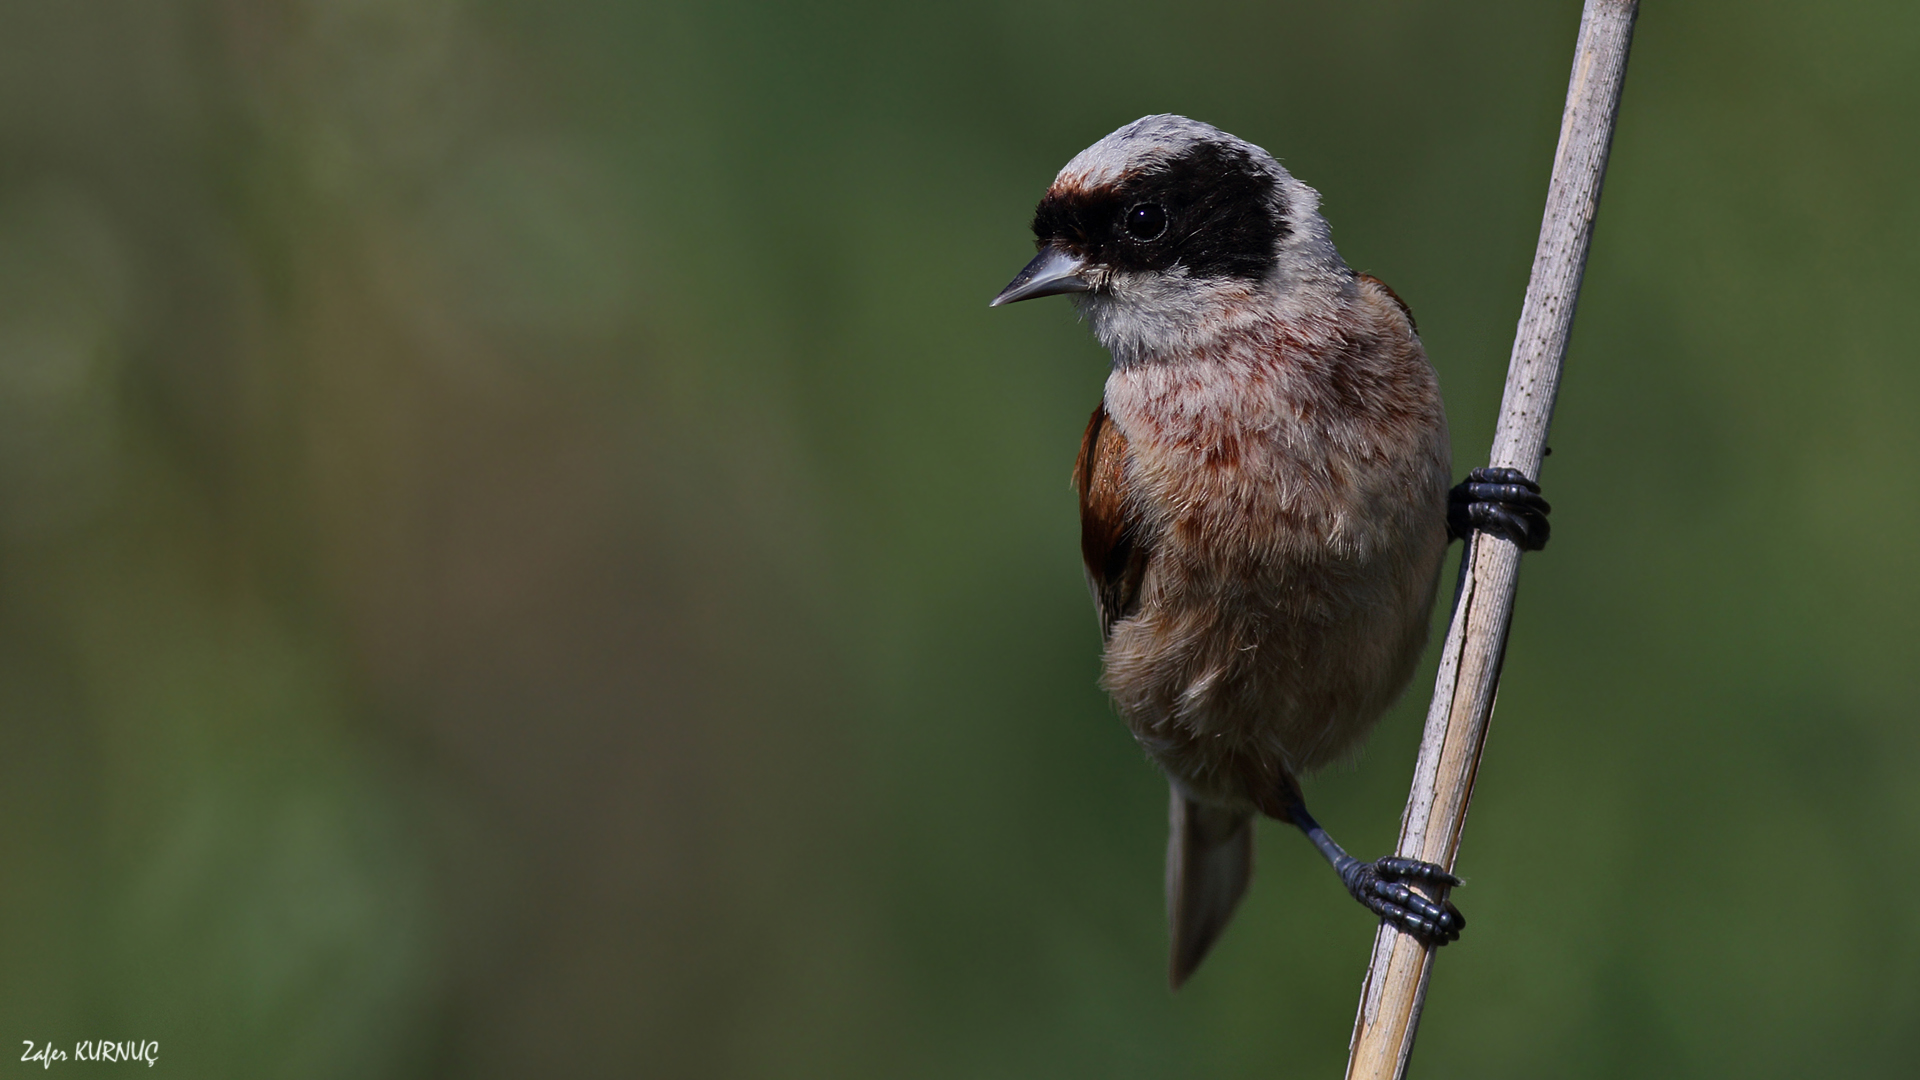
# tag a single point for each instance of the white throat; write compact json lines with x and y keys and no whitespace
{"x":1145,"y":317}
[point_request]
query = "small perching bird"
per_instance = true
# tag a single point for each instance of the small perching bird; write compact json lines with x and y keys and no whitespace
{"x":1264,"y":497}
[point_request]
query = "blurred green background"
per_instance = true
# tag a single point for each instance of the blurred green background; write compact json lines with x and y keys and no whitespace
{"x":524,"y":552}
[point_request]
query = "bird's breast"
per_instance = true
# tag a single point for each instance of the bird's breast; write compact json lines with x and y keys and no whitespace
{"x":1264,"y":450}
{"x":1293,"y":495}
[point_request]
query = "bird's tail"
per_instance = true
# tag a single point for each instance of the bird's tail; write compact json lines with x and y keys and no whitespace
{"x":1209,"y":862}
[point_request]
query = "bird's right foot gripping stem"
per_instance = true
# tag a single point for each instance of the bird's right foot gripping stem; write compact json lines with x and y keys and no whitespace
{"x":1502,"y":502}
{"x":1384,"y":886}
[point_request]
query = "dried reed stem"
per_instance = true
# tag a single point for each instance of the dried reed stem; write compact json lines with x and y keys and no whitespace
{"x":1463,"y":694}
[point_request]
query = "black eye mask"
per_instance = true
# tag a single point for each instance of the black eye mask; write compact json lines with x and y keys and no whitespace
{"x":1211,"y":210}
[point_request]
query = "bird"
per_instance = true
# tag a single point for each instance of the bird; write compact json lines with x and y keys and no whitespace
{"x":1264,"y":499}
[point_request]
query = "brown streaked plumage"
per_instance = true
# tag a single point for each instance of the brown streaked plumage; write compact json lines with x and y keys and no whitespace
{"x":1280,"y":501}
{"x":1263,"y":497}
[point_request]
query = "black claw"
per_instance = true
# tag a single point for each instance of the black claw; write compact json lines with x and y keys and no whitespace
{"x":1502,"y":502}
{"x":1400,"y":896}
{"x":1402,"y":899}
{"x":1378,"y":886}
{"x":1398,"y":868}
{"x":1497,"y":474}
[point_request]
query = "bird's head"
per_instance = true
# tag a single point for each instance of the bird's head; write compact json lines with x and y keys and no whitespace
{"x":1171,"y":232}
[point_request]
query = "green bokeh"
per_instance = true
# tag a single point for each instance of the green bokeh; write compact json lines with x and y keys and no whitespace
{"x":524,"y":552}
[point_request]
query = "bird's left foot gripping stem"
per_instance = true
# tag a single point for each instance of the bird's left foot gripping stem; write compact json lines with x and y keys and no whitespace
{"x":1502,"y":502}
{"x":1382,"y":886}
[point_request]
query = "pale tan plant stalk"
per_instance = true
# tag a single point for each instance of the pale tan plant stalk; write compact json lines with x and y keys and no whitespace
{"x":1463,"y":694}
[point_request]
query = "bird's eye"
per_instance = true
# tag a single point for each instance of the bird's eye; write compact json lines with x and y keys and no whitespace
{"x":1146,"y":222}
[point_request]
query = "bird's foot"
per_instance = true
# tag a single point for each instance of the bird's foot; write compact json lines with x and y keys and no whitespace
{"x":1381,"y":886}
{"x":1502,"y":502}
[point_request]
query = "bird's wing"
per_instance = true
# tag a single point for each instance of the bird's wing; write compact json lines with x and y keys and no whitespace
{"x":1369,"y":279}
{"x":1112,"y":540}
{"x":1209,"y":849}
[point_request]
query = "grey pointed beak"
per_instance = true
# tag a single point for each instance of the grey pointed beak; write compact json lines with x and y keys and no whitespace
{"x":1052,"y":272}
